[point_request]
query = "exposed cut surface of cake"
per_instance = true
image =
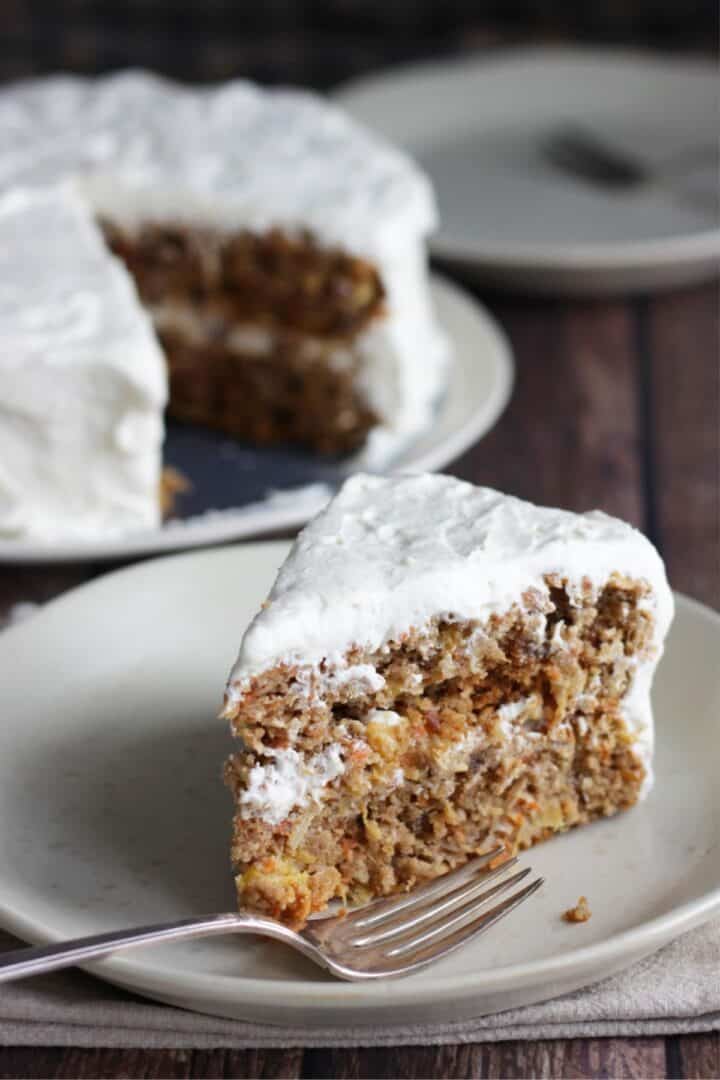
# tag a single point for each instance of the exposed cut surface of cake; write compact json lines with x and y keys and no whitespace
{"x":279,"y":248}
{"x":82,"y":378}
{"x":438,"y":668}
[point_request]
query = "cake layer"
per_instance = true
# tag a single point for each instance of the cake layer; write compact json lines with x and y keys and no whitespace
{"x":259,"y":332}
{"x":267,"y":387}
{"x":273,"y":280}
{"x":502,"y":732}
{"x":82,"y":379}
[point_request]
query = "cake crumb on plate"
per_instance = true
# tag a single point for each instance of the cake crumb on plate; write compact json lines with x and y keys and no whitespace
{"x":580,"y":913}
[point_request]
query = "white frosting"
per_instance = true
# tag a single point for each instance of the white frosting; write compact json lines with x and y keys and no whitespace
{"x":141,"y":148}
{"x":290,"y":781}
{"x":509,"y":713}
{"x":453,"y":757}
{"x":363,"y":678}
{"x":389,"y":553}
{"x":404,"y":357}
{"x":637,"y":711}
{"x":82,"y":379}
{"x":230,"y":155}
{"x":384,"y":717}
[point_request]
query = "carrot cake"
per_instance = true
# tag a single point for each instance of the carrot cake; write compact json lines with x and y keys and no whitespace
{"x":438,"y":668}
{"x":279,"y":248}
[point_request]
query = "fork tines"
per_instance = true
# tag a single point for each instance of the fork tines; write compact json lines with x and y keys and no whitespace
{"x":402,"y":933}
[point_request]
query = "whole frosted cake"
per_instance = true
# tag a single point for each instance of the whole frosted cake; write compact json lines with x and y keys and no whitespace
{"x":438,"y":669}
{"x":278,"y":248}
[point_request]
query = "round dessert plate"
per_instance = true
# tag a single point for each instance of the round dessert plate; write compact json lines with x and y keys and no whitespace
{"x":230,"y":481}
{"x":482,"y":127}
{"x":113,"y":813}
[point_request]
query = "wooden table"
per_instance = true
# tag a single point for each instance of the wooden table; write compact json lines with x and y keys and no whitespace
{"x":617,"y":406}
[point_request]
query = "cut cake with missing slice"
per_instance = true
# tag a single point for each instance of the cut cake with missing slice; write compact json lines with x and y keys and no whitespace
{"x":277,"y":245}
{"x":439,"y":668}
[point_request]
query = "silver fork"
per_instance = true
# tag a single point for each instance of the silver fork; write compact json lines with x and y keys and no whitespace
{"x":588,"y":157}
{"x":384,"y":939}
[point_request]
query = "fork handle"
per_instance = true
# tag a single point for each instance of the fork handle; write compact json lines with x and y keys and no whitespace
{"x":36,"y":960}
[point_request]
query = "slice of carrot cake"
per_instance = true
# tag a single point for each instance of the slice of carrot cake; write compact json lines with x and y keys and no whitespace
{"x":439,"y":668}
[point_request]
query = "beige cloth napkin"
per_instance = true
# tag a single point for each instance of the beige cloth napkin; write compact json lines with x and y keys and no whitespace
{"x":675,"y":991}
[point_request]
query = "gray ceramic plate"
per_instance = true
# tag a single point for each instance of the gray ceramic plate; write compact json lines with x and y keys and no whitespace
{"x":507,"y":215}
{"x":112,"y":811}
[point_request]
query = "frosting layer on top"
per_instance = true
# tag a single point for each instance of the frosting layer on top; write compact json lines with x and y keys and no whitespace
{"x":231,"y":155}
{"x":388,"y":553}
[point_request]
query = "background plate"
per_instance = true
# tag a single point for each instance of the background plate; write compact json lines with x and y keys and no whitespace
{"x":112,"y":811}
{"x":225,"y":473}
{"x":477,"y":126}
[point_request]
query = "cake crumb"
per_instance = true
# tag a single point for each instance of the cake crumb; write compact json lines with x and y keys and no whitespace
{"x":499,"y":859}
{"x":580,"y":913}
{"x":173,"y":483}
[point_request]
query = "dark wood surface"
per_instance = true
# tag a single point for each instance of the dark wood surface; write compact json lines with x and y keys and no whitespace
{"x":321,"y":42}
{"x":616,"y":405}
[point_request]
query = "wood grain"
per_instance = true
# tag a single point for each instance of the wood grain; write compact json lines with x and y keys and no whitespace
{"x":269,"y":1064}
{"x":696,"y":1056}
{"x":569,"y":437}
{"x":690,"y":1056}
{"x":38,"y":584}
{"x":380,"y":1062}
{"x":320,"y":44}
{"x":69,"y":1064}
{"x":679,"y":341}
{"x":578,"y":1058}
